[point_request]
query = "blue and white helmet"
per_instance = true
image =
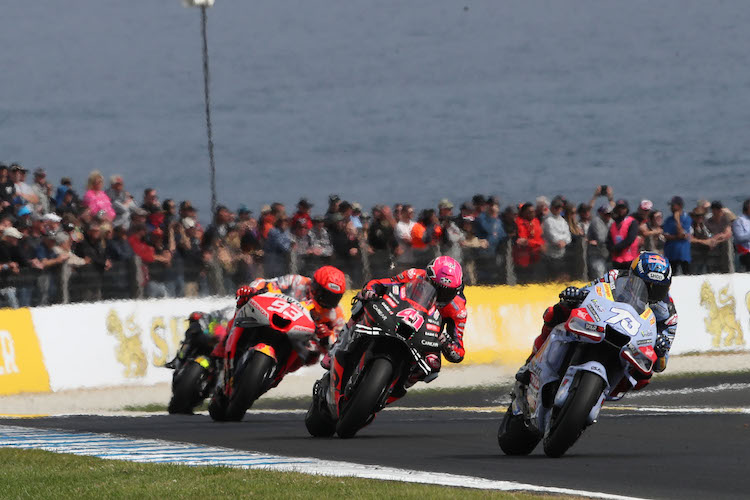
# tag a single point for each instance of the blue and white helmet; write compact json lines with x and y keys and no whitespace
{"x":655,"y":271}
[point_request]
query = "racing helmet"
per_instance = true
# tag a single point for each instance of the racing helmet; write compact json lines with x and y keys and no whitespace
{"x":328,"y":286}
{"x":656,"y":273}
{"x":446,"y":276}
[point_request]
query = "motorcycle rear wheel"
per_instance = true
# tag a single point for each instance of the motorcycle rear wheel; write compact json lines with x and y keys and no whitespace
{"x":186,"y":389}
{"x":514,"y":435}
{"x":572,"y":419}
{"x":359,"y":410}
{"x":249,"y":386}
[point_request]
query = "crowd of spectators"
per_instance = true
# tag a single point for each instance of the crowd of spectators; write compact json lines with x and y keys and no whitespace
{"x":57,"y":246}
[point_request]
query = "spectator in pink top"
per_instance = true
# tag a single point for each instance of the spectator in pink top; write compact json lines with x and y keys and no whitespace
{"x":95,"y":199}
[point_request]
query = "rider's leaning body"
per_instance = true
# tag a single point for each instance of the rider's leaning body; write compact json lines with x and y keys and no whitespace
{"x":323,"y":291}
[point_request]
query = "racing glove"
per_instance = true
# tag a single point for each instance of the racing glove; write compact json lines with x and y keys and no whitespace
{"x":662,"y":346}
{"x":572,"y":297}
{"x":245,"y":293}
{"x":368,"y":294}
{"x":446,"y":345}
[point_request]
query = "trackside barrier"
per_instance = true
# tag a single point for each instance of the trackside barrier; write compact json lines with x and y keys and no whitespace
{"x":126,"y":343}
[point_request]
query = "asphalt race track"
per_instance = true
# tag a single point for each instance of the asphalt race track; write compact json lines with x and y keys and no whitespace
{"x":648,"y":445}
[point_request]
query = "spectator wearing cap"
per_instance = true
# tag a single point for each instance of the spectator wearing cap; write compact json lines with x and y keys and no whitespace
{"x":644,"y":210}
{"x":356,"y":216}
{"x":7,"y":191}
{"x":302,"y":216}
{"x":244,"y":214}
{"x":556,"y":233}
{"x":43,"y":190}
{"x":189,"y":255}
{"x":333,"y":208}
{"x":643,"y":216}
{"x":583,"y":221}
{"x":720,"y":222}
{"x":622,"y":240}
{"x":95,"y":199}
{"x":527,"y":249}
{"x":18,"y":175}
{"x":677,"y":234}
{"x":702,"y":241}
{"x":741,"y":232}
{"x":597,"y":254}
{"x":50,"y":260}
{"x":10,"y":265}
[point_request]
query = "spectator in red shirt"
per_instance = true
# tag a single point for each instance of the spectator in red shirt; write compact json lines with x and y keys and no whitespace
{"x":528,"y":246}
{"x":302,"y":217}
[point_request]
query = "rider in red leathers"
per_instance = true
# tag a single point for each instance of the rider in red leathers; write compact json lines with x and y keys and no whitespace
{"x":324,"y":290}
{"x":446,"y":275}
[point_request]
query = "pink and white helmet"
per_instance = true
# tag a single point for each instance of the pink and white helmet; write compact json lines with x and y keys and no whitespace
{"x":446,"y":275}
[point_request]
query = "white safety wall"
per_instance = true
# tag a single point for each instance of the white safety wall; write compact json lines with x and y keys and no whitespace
{"x":127,"y":342}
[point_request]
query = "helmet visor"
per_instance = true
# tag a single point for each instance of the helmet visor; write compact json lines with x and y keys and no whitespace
{"x":325,"y":298}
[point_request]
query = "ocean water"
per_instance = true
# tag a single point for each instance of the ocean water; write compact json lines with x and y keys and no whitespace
{"x":384,"y":101}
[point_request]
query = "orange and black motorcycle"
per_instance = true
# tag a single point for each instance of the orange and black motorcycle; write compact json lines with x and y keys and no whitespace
{"x":394,"y":342}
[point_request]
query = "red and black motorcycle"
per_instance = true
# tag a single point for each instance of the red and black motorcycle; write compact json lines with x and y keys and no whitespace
{"x":394,"y":341}
{"x":272,"y":335}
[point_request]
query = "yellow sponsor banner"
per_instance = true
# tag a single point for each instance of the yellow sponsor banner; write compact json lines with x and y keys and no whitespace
{"x":21,"y":365}
{"x":503,"y":321}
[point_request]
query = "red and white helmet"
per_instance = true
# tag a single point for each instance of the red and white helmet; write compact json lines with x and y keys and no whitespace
{"x":328,"y":286}
{"x":447,"y":277}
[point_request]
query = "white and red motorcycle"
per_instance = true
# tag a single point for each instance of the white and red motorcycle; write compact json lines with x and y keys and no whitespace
{"x":602,"y":351}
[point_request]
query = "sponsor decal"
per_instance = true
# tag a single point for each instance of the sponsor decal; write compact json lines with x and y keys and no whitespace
{"x":462,"y":314}
{"x":429,"y":343}
{"x":334,"y":287}
{"x":721,"y":320}
{"x":656,"y":276}
{"x":21,"y":365}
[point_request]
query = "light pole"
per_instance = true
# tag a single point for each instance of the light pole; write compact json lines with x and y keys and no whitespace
{"x":204,"y":4}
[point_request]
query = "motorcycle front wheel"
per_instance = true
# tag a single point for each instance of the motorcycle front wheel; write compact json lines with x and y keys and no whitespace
{"x":568,"y":425}
{"x":186,"y":389}
{"x":359,"y":410}
{"x":249,"y":385}
{"x":317,"y":420}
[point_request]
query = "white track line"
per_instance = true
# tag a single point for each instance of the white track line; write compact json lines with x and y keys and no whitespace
{"x":112,"y":447}
{"x":688,"y":390}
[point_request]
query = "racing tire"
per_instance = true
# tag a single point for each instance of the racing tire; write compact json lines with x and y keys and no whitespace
{"x":186,"y":389}
{"x":248,"y":386}
{"x":359,"y":410}
{"x":317,"y":420}
{"x":572,"y":418}
{"x":217,"y":407}
{"x":514,"y":435}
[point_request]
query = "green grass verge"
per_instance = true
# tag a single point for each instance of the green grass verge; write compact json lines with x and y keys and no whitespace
{"x":41,"y":474}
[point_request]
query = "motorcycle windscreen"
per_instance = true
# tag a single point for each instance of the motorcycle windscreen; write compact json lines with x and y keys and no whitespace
{"x":421,"y":292}
{"x":632,"y":290}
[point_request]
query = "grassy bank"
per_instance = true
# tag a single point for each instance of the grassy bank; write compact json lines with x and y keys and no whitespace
{"x":40,"y":474}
